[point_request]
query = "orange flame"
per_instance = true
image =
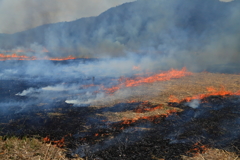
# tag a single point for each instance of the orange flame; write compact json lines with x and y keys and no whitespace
{"x":96,"y":134}
{"x":211,"y":92}
{"x":211,"y":89}
{"x":147,"y":108}
{"x":173,"y":99}
{"x":149,"y":118}
{"x":164,"y":76}
{"x":14,"y":56}
{"x":132,"y":101}
{"x":198,"y":148}
{"x":59,"y":143}
{"x":46,"y":139}
{"x":62,"y":59}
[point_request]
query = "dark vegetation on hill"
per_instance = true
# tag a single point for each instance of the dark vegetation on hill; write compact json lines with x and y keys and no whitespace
{"x":156,"y":26}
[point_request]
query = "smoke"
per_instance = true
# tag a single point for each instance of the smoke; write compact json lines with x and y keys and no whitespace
{"x":19,"y":15}
{"x":198,"y":34}
{"x":194,"y":103}
{"x":26,"y":92}
{"x":77,"y":82}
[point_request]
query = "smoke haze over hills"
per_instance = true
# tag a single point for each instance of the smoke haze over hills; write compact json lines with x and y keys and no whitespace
{"x":192,"y":33}
{"x":19,"y":15}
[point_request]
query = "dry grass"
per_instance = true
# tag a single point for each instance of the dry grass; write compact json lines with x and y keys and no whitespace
{"x":214,"y":154}
{"x":32,"y":149}
{"x":29,"y":149}
{"x":159,"y":92}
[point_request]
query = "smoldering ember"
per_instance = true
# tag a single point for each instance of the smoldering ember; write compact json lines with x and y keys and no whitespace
{"x":149,"y":79}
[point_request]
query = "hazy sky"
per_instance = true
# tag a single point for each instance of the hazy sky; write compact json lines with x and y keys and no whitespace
{"x":19,"y":15}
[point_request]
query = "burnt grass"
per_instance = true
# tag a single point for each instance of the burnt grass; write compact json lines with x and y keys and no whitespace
{"x":89,"y":134}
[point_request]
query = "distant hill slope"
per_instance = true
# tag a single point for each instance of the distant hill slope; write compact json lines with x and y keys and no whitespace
{"x":162,"y":26}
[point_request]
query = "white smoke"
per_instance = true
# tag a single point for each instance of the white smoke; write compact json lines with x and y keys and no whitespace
{"x":162,"y":51}
{"x":26,"y":92}
{"x":19,"y":15}
{"x":194,"y":103}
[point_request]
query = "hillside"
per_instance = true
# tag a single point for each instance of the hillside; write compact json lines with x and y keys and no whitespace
{"x":156,"y":25}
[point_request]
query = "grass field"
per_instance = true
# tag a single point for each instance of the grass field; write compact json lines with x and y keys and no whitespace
{"x":22,"y":135}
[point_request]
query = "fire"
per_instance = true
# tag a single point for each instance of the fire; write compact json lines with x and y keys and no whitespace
{"x":198,"y":148}
{"x":62,"y":59}
{"x":112,"y":90}
{"x":211,"y":89}
{"x":96,"y":134}
{"x":163,"y":76}
{"x":153,"y":119}
{"x":14,"y":56}
{"x":46,"y":139}
{"x":102,"y":134}
{"x":211,"y":92}
{"x":145,"y":107}
{"x":132,"y":101}
{"x":59,"y":143}
{"x":173,"y":99}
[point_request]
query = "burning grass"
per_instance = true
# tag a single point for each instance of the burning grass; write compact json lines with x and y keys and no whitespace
{"x":14,"y":56}
{"x":145,"y":125}
{"x":211,"y":92}
{"x":137,"y":81}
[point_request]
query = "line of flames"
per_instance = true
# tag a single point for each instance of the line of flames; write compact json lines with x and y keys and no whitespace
{"x":14,"y":56}
{"x":211,"y":92}
{"x":163,"y":76}
{"x":58,"y":143}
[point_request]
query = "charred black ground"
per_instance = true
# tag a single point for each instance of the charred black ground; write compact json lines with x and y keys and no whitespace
{"x":144,"y":123}
{"x":213,"y":124}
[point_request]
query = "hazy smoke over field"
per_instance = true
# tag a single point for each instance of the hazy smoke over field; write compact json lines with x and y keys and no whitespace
{"x":19,"y":15}
{"x":79,"y":82}
{"x":152,"y":35}
{"x":198,"y":34}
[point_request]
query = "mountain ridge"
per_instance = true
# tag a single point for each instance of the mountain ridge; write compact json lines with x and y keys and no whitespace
{"x":141,"y":25}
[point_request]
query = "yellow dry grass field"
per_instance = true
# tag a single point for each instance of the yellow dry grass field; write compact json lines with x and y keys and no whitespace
{"x":160,"y":92}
